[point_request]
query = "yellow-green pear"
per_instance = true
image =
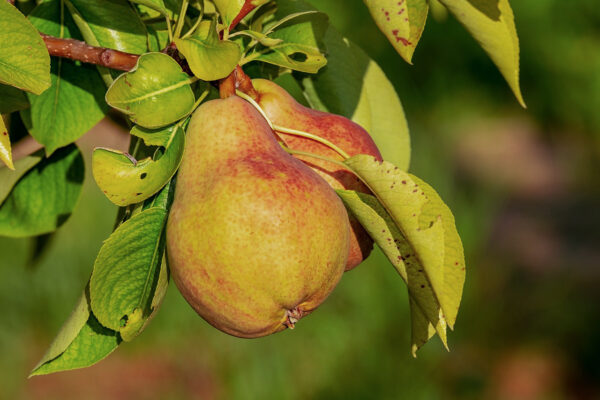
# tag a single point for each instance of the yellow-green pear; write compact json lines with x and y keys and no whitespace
{"x":255,"y":239}
{"x":283,"y":110}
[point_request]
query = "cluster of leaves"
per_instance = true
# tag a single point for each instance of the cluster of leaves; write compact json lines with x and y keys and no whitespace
{"x":287,"y":41}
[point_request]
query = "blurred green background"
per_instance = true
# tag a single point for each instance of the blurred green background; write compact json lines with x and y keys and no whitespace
{"x":523,"y":185}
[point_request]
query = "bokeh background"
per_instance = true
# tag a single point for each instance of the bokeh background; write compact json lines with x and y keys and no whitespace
{"x":523,"y":185}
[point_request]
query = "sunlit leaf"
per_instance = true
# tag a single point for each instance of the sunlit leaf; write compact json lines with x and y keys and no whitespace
{"x":126,"y":272}
{"x":401,"y":253}
{"x":401,"y":21}
{"x":492,"y":24}
{"x":428,"y":246}
{"x":5,"y":149}
{"x":155,"y":93}
{"x":209,"y":57}
{"x":229,"y":9}
{"x":24,"y":60}
{"x":126,"y":182}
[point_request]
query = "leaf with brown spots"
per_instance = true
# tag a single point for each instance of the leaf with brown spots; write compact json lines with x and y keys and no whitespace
{"x":401,"y":21}
{"x":416,"y":230}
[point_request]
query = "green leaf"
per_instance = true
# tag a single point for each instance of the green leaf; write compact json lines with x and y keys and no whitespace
{"x":492,"y":24}
{"x":427,"y":227}
{"x":5,"y":149}
{"x":45,"y":196}
{"x":229,"y":9}
{"x":12,"y":99}
{"x":24,"y":60}
{"x":300,"y":30}
{"x":126,"y":272}
{"x":81,"y":342}
{"x":109,"y":23}
{"x":155,"y":93}
{"x":353,"y":85}
{"x":385,"y":232}
{"x":156,"y":5}
{"x":126,"y":182}
{"x":74,"y":103}
{"x":8,"y":178}
{"x":209,"y":57}
{"x":260,"y":38}
{"x":401,"y":21}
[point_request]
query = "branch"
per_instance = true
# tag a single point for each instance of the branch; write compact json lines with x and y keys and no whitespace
{"x":246,"y":8}
{"x":81,"y":51}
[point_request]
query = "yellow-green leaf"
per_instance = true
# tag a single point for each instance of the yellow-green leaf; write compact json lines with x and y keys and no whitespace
{"x":401,"y":21}
{"x":24,"y":60}
{"x":229,"y":9}
{"x":155,"y":93}
{"x":386,"y":233}
{"x":5,"y":149}
{"x":127,"y":181}
{"x":209,"y":57}
{"x":427,"y":241}
{"x":492,"y":24}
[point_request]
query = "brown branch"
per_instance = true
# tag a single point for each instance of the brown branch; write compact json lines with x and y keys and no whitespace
{"x":246,"y":8}
{"x":81,"y":51}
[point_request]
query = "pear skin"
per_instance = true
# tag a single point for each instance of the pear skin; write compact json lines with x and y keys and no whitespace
{"x":283,"y":110}
{"x":255,"y":238}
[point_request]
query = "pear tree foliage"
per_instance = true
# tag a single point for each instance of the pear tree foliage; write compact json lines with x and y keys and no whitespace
{"x":184,"y":53}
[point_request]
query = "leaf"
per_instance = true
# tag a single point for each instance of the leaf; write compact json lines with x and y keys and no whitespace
{"x":8,"y":178}
{"x":126,"y":272}
{"x":492,"y":24}
{"x":401,"y":21}
{"x":5,"y":149}
{"x":126,"y":182}
{"x":209,"y":57}
{"x":156,"y":5}
{"x":73,"y":104}
{"x":45,"y":196}
{"x":353,"y":85}
{"x":428,"y":229}
{"x":229,"y":9}
{"x":154,"y":94}
{"x":386,"y":233}
{"x":260,"y":38}
{"x":24,"y":60}
{"x":109,"y":23}
{"x":300,"y":30}
{"x":81,"y":342}
{"x":12,"y":99}
{"x":298,"y":57}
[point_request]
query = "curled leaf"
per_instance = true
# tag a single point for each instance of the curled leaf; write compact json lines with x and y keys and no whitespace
{"x":125,"y":180}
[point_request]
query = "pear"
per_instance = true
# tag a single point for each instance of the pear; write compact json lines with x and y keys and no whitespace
{"x":283,"y":110}
{"x":255,"y":238}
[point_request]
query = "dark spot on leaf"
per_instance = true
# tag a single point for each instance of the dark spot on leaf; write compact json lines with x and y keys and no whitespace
{"x":143,"y":175}
{"x":138,"y":194}
{"x":298,"y":56}
{"x":5,"y":133}
{"x":404,"y":182}
{"x":123,"y":321}
{"x":422,"y":286}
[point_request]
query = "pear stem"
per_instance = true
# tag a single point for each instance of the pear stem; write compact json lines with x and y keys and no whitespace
{"x":181,"y":18}
{"x":306,"y":154}
{"x":319,"y":139}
